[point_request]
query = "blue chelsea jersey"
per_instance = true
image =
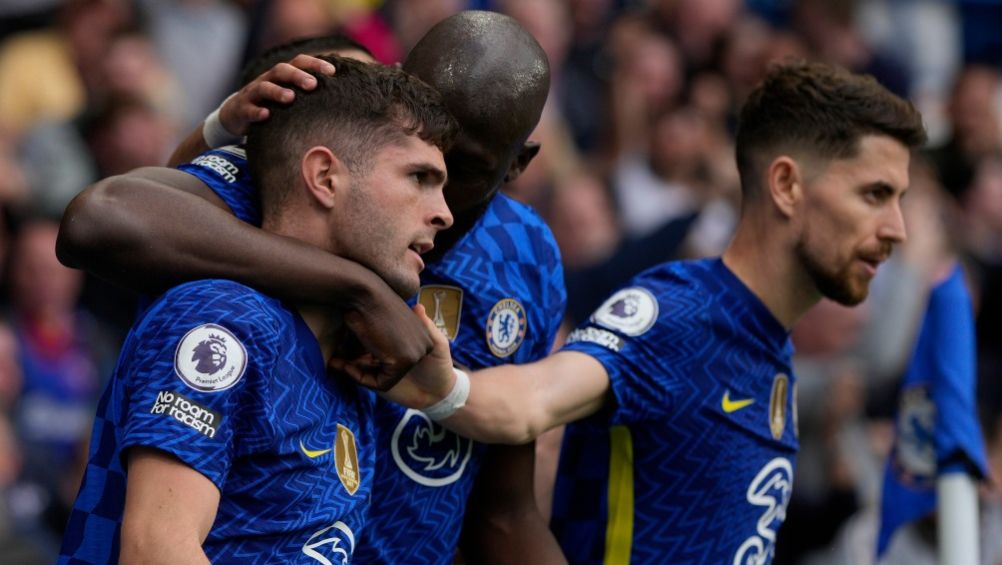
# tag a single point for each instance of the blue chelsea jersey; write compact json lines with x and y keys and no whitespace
{"x":225,"y":171}
{"x":498,"y":295}
{"x":233,"y":385}
{"x":694,"y":461}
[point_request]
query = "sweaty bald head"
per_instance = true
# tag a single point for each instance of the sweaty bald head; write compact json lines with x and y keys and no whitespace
{"x":494,"y":78}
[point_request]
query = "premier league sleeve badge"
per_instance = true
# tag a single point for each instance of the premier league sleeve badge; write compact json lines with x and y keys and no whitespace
{"x":209,"y":358}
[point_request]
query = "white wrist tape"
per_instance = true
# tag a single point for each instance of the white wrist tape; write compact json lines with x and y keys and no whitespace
{"x":453,"y":401}
{"x":213,"y":131}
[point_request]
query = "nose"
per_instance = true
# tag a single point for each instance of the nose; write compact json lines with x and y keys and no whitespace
{"x":892,"y":227}
{"x":441,"y":216}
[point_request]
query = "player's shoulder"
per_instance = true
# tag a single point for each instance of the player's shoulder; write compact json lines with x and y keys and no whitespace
{"x":229,"y":163}
{"x":675,"y":280}
{"x":218,"y":299}
{"x":216,"y":309}
{"x":510,"y":229}
{"x":233,"y":153}
{"x":506,"y":211}
{"x":674,"y":293}
{"x":211,"y":288}
{"x":504,"y":208}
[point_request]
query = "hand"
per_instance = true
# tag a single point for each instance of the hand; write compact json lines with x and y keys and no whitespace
{"x":246,"y":106}
{"x":390,"y":337}
{"x":427,"y":382}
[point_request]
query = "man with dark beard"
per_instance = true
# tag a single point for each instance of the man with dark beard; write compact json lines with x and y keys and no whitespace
{"x":683,"y":378}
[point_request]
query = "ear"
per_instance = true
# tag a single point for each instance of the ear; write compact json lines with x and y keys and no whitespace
{"x":786,"y":184}
{"x":521,"y":160}
{"x":323,"y":173}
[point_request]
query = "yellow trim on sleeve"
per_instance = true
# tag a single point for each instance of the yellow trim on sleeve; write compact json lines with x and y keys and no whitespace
{"x":619,"y":527}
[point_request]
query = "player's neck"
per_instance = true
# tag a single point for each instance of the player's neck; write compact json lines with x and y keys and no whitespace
{"x":765,"y":264}
{"x":324,"y":324}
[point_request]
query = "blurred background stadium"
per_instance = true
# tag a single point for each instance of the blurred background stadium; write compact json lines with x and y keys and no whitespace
{"x":636,"y":168}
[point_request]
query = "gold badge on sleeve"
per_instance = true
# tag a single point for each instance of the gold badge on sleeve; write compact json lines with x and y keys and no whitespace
{"x":777,"y":405}
{"x":796,"y":414}
{"x":346,"y":459}
{"x":443,"y":304}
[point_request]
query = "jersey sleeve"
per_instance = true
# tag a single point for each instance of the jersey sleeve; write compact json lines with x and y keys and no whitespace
{"x":648,"y":340}
{"x":196,"y":376}
{"x":225,"y":171}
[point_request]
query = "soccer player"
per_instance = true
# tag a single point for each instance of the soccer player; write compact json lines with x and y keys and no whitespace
{"x":220,"y":437}
{"x":682,"y":379}
{"x":497,"y":291}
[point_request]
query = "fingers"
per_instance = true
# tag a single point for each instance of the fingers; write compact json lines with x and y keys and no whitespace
{"x":364,"y":370}
{"x":265,"y":91}
{"x":287,"y":74}
{"x":310,"y":63}
{"x":272,"y":85}
{"x":437,"y":337}
{"x":294,"y":73}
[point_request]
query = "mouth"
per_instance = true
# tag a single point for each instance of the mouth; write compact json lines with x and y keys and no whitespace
{"x":870,"y":263}
{"x":419,"y":248}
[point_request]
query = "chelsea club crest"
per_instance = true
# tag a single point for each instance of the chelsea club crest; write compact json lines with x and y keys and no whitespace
{"x":506,"y":326}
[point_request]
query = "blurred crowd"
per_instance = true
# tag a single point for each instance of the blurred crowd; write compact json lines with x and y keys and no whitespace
{"x":636,"y":168}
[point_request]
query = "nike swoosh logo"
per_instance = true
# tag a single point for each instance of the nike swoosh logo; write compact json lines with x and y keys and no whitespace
{"x":311,"y":453}
{"x":734,"y":405}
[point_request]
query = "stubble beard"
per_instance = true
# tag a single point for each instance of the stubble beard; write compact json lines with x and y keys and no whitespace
{"x":380,"y":260}
{"x":835,"y":285}
{"x":374,"y":250}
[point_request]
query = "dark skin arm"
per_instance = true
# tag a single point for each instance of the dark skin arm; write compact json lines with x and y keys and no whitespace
{"x":503,"y":525}
{"x":155,"y":227}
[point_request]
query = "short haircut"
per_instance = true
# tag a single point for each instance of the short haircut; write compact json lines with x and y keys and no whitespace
{"x":818,"y":109}
{"x":354,"y":112}
{"x":319,"y":45}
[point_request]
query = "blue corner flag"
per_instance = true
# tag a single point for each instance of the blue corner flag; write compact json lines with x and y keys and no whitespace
{"x":937,"y":428}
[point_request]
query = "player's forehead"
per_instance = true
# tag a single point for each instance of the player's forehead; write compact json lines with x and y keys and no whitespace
{"x":879,"y":160}
{"x":407,"y":150}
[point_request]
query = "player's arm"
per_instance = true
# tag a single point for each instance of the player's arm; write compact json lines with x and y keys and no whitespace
{"x":510,"y":404}
{"x":514,"y":404}
{"x":154,"y":228}
{"x":246,"y":106}
{"x":169,"y":510}
{"x":502,"y":523}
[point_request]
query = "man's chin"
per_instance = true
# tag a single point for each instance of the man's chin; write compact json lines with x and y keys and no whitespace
{"x":845,"y":293}
{"x":406,"y":288}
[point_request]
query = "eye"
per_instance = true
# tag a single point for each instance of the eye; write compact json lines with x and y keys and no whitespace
{"x":425,"y":178}
{"x":420,"y":177}
{"x":877,"y":194}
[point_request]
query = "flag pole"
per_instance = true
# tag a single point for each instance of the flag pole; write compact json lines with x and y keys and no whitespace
{"x":957,"y":525}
